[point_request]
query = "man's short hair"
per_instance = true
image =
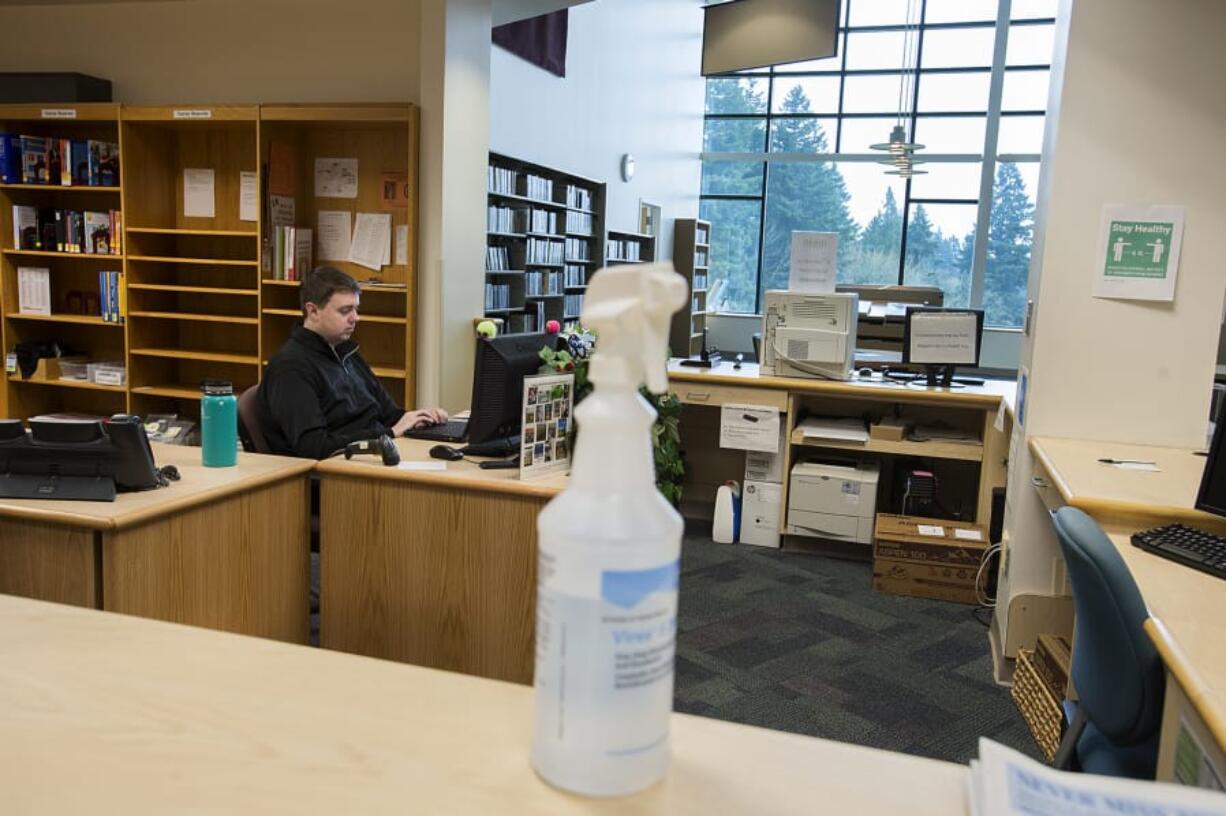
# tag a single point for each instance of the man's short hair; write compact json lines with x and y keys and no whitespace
{"x":322,"y":283}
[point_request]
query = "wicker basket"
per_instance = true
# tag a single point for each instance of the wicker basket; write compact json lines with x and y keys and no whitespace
{"x":1039,"y":708}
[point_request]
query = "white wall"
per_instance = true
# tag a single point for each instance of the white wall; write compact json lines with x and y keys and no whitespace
{"x":632,"y":86}
{"x":1134,"y":96}
{"x":213,"y":51}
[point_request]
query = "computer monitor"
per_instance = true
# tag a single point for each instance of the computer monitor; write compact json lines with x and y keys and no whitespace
{"x":940,"y":340}
{"x":1212,"y":494}
{"x":498,"y":384}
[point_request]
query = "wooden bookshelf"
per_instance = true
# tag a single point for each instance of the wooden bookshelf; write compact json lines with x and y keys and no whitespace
{"x":534,"y":215}
{"x":691,"y":258}
{"x":201,"y":303}
{"x":384,"y":139}
{"x":76,"y":322}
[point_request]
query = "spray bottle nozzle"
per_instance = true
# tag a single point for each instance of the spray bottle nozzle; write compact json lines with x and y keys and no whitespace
{"x":630,"y":309}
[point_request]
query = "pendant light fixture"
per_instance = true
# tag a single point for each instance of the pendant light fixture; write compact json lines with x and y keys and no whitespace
{"x":902,"y":159}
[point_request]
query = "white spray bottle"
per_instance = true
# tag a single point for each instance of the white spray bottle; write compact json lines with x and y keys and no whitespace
{"x":610,"y":544}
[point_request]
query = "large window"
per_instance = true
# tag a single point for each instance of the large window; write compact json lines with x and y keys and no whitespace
{"x":787,"y":148}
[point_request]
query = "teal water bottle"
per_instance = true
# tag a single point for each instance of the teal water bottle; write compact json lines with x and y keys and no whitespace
{"x":218,"y":424}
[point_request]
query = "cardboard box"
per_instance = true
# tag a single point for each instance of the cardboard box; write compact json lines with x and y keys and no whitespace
{"x":761,"y":503}
{"x":1053,"y":659}
{"x":889,"y":429}
{"x":927,"y":558}
{"x":939,"y":582}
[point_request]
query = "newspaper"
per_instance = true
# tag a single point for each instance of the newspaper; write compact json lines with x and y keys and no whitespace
{"x":1003,"y":781}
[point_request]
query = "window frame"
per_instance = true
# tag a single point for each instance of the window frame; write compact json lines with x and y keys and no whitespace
{"x":988,"y":156}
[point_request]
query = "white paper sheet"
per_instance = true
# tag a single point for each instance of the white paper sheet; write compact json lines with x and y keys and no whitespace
{"x":33,"y":290}
{"x":371,"y":244}
{"x":422,"y":466}
{"x":402,"y":245}
{"x":281,"y":210}
{"x":333,"y":235}
{"x":967,"y":535}
{"x":814,"y":262}
{"x":336,"y":178}
{"x":749,"y":427}
{"x":199,"y":193}
{"x":1146,"y":466}
{"x":931,"y":530}
{"x":944,"y":338}
{"x":248,"y":196}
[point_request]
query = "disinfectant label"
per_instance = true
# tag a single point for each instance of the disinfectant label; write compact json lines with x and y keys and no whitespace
{"x":604,"y":667}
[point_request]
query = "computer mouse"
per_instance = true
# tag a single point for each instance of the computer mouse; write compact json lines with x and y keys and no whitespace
{"x":446,"y":452}
{"x":865,"y":373}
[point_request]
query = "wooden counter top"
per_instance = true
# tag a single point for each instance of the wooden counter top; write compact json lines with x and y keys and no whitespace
{"x":113,"y":714}
{"x":463,"y":474}
{"x":198,"y":485}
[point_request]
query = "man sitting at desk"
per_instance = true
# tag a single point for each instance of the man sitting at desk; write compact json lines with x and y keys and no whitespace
{"x":318,"y":394}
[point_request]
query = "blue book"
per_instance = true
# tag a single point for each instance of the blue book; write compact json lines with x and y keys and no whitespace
{"x":10,"y":158}
{"x":80,"y":163}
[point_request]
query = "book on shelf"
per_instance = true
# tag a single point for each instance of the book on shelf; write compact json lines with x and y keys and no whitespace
{"x":579,"y":223}
{"x":497,"y":296}
{"x":578,"y":197}
{"x":34,"y":160}
{"x":292,"y":249}
{"x":58,"y":161}
{"x":501,"y":180}
{"x":537,"y":187}
{"x":545,"y":251}
{"x":577,"y":250}
{"x":10,"y":158}
{"x":25,"y":228}
{"x":97,"y":233}
{"x":505,"y":219}
{"x":532,"y":284}
{"x":575,"y":275}
{"x":497,"y":259}
{"x":700,"y":281}
{"x":112,"y":296}
{"x":543,"y":221}
{"x":622,"y":249}
{"x":573,"y":305}
{"x":33,"y":290}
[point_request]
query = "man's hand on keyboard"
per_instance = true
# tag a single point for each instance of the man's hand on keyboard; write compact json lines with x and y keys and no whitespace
{"x":421,"y":418}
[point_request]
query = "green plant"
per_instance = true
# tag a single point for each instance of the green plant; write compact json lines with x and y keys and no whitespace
{"x":665,"y":433}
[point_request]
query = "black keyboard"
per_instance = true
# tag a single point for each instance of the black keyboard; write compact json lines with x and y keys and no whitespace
{"x":452,"y":431}
{"x":1187,"y":545}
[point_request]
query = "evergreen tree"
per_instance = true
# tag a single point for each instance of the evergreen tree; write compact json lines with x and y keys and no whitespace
{"x":884,"y":228}
{"x":802,"y":195}
{"x":1009,"y":236}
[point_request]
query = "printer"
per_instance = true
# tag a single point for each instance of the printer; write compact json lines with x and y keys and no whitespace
{"x":833,"y":501}
{"x":809,"y":335}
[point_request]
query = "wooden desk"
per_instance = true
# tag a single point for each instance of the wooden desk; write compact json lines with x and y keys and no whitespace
{"x":111,"y":714}
{"x":223,"y":547}
{"x":436,"y":568}
{"x":975,"y":409}
{"x":1187,"y":607}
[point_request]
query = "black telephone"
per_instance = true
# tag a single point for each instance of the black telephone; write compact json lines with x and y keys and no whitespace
{"x":136,"y":469}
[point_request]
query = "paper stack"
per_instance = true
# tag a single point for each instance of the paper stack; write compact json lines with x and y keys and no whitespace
{"x":1003,"y":781}
{"x":849,"y":429}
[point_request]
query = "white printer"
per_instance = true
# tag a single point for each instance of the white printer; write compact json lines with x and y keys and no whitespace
{"x":809,"y":335}
{"x":835,"y":501}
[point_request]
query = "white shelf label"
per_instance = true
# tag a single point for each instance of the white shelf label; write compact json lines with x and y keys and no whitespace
{"x":59,"y":113}
{"x":193,"y":114}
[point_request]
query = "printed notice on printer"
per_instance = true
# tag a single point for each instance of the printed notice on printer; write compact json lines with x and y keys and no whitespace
{"x":749,"y":427}
{"x":944,"y":338}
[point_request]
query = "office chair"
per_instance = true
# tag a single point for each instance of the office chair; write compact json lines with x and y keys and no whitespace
{"x":1116,"y":669}
{"x":249,"y":430}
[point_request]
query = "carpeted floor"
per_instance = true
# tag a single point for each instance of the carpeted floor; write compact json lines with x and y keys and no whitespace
{"x":801,"y":642}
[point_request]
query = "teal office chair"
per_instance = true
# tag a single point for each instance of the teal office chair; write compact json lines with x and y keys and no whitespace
{"x":1116,"y":669}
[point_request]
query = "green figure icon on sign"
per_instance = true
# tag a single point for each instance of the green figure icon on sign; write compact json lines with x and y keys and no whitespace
{"x":1158,"y":247}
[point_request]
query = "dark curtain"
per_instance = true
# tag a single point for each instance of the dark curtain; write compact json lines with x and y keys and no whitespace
{"x":541,"y":41}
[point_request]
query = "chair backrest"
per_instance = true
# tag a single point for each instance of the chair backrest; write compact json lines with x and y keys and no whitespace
{"x":249,"y":429}
{"x":1116,"y":669}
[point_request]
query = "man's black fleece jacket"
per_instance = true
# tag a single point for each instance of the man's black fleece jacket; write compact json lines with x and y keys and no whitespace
{"x":315,"y":399}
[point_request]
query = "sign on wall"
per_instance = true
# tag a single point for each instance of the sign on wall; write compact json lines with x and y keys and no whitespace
{"x":1138,"y":252}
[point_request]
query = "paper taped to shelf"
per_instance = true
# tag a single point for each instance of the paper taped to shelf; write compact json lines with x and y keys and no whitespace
{"x":248,"y":196}
{"x":749,"y":427}
{"x":198,"y":192}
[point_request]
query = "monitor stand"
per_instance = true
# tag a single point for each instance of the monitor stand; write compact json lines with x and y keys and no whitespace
{"x":937,"y":376}
{"x":42,"y":486}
